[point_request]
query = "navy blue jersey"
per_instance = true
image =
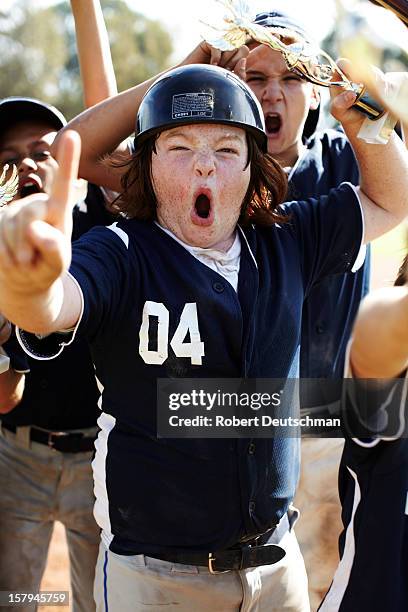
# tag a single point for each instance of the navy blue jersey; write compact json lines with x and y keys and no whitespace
{"x":62,"y":394}
{"x":330,"y":309}
{"x":372,"y":575}
{"x":152,"y":310}
{"x":18,"y":358}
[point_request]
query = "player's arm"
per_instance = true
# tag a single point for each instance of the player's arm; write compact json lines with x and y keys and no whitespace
{"x":11,"y":389}
{"x":380,"y":337}
{"x":11,"y":382}
{"x":95,"y":60}
{"x":105,"y":128}
{"x":383,"y":169}
{"x":35,"y":251}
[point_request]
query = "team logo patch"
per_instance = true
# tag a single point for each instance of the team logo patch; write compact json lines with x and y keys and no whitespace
{"x":192,"y":105}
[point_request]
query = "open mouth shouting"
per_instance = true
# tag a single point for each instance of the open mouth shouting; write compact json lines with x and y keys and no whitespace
{"x":273,"y":124}
{"x":202,"y":212}
{"x":30,"y":185}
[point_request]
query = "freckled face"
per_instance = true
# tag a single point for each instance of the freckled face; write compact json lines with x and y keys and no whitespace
{"x":200,"y":180}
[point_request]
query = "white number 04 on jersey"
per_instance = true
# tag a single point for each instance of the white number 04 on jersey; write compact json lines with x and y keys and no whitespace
{"x":188,"y":324}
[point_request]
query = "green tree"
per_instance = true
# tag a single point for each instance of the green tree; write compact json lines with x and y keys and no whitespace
{"x":32,"y":51}
{"x":38,"y":52}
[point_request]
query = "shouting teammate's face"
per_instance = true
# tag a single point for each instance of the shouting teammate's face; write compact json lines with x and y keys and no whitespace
{"x":285,"y":99}
{"x":200,"y":178}
{"x":27,"y":145}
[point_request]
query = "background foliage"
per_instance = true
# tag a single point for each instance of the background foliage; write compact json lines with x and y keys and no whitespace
{"x":38,"y":51}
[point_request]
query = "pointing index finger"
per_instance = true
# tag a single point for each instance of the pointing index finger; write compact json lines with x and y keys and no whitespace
{"x":63,"y":189}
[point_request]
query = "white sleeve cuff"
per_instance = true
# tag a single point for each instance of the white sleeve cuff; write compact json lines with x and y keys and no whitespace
{"x":44,"y":348}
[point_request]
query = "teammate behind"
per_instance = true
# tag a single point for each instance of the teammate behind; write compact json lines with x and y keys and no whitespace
{"x":315,"y":161}
{"x":373,"y":477}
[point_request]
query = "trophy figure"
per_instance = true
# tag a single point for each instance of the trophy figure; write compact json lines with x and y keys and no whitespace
{"x":303,"y":58}
{"x":9,"y":188}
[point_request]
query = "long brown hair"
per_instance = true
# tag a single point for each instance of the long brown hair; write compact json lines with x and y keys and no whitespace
{"x":266,"y":190}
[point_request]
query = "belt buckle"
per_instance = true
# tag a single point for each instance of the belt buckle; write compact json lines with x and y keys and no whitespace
{"x":211,"y":560}
{"x":56,"y":434}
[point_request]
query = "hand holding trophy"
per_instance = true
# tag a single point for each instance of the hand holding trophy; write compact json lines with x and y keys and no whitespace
{"x":368,"y":35}
{"x":305,"y":59}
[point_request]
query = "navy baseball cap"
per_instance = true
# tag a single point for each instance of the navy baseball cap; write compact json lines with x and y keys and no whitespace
{"x":16,"y":109}
{"x":276,"y":20}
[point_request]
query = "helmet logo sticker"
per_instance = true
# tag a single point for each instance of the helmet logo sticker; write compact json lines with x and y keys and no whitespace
{"x":192,"y":105}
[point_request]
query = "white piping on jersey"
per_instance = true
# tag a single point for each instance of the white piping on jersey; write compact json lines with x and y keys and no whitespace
{"x":358,"y":262}
{"x":341,"y":577}
{"x":82,"y":206}
{"x":101,"y":507}
{"x":25,"y":346}
{"x":362,"y":252}
{"x":406,"y":505}
{"x":119,"y":232}
{"x":249,"y":248}
{"x":370,"y":444}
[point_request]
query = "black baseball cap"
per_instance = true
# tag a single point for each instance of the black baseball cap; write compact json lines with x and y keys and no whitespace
{"x":279,"y":19}
{"x":199,"y":93}
{"x":16,"y":109}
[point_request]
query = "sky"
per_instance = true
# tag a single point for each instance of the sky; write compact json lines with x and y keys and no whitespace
{"x":182,"y":17}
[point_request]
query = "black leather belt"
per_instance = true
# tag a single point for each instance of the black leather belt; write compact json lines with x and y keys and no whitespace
{"x":229,"y":559}
{"x":63,"y":441}
{"x":242,"y":556}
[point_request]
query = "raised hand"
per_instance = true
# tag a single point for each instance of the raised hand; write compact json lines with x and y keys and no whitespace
{"x":35,"y":232}
{"x":342,"y":100}
{"x":234,"y":60}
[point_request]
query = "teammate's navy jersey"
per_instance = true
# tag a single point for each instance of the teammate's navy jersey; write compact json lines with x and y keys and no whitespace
{"x":152,"y":310}
{"x":372,"y":575}
{"x":19,"y":360}
{"x":62,"y":394}
{"x":330,"y":309}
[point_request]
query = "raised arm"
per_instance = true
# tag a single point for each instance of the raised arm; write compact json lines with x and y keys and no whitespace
{"x":95,"y":60}
{"x":11,"y":389}
{"x":383,"y":171}
{"x":380,"y":337}
{"x":11,"y":382}
{"x":105,"y":128}
{"x":36,"y":292}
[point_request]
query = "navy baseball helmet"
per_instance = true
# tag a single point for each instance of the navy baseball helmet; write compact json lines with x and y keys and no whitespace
{"x":16,"y":109}
{"x":277,"y":20}
{"x":199,"y":93}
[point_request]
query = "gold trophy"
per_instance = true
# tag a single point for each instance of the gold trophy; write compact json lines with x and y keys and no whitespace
{"x":305,"y":59}
{"x":9,"y":189}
